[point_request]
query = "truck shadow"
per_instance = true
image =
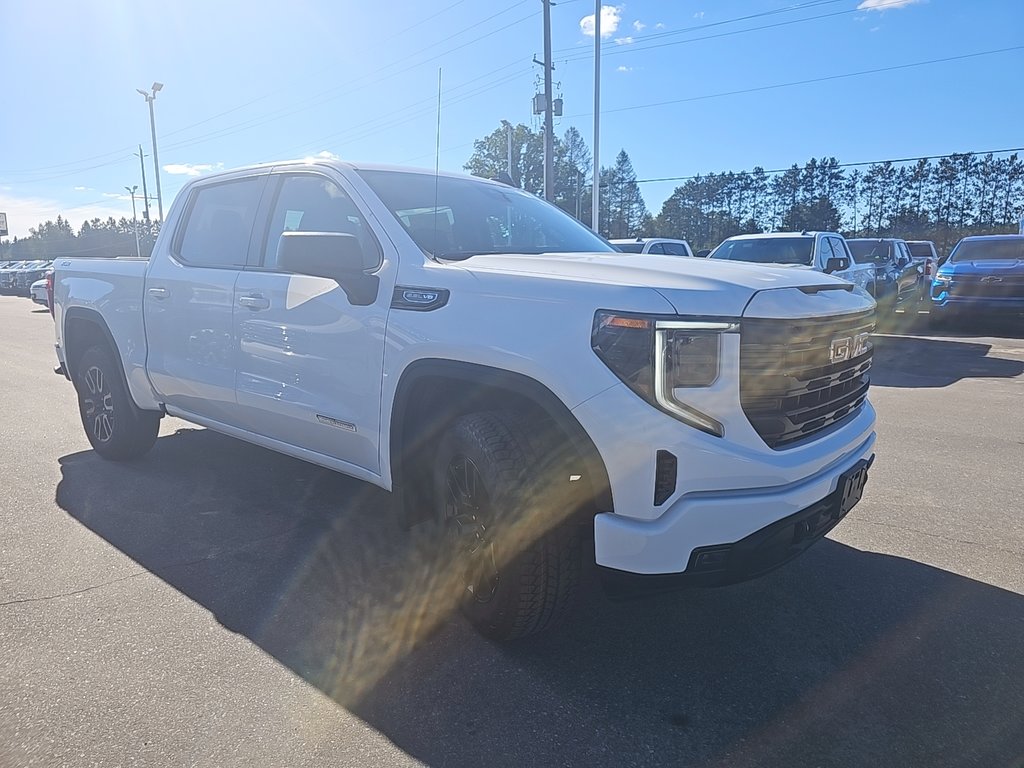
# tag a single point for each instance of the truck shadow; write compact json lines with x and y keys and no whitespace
{"x":913,"y":361}
{"x":843,"y":657}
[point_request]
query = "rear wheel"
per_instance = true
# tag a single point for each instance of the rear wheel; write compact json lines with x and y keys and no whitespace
{"x":117,"y":429}
{"x":511,"y":550}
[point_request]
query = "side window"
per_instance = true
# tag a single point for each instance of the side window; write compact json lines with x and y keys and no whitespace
{"x":656,"y":248}
{"x":219,"y":224}
{"x":839,"y":249}
{"x":674,"y":249}
{"x":313,"y":203}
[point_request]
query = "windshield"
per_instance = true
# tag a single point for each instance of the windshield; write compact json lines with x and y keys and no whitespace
{"x":870,"y":251}
{"x":989,"y":250}
{"x":770,"y":250}
{"x":455,"y":218}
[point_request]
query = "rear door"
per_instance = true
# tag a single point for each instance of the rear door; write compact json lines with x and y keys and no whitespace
{"x":310,"y":363}
{"x":188,"y":303}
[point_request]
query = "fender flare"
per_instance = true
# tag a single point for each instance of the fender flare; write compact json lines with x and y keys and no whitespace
{"x":94,"y":318}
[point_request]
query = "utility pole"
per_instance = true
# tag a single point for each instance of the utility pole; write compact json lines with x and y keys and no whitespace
{"x":145,"y":193}
{"x":135,"y":219}
{"x":595,"y":211}
{"x":549,"y":123}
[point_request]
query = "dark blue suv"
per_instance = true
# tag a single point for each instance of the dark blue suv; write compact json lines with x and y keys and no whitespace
{"x":983,"y":275}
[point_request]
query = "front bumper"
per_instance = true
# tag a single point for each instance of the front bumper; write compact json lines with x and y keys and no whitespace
{"x":738,"y":520}
{"x":976,"y":305}
{"x":754,"y":555}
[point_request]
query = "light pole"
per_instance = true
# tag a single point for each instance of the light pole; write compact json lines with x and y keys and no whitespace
{"x":135,"y":219}
{"x":150,"y":98}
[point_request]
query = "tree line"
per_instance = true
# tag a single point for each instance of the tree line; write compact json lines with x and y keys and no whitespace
{"x":940,"y":199}
{"x":96,"y":237}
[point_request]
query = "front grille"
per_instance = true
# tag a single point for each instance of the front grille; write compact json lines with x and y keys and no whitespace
{"x":988,"y":286}
{"x":789,"y":386}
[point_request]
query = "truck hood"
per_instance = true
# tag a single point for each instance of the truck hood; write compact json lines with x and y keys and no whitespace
{"x":692,"y":286}
{"x":984,"y":267}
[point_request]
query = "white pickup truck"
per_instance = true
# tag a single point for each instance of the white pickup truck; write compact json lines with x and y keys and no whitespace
{"x":825,"y":252}
{"x":525,"y":391}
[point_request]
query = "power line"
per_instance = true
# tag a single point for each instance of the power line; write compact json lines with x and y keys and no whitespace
{"x":724,"y":22}
{"x":285,"y":111}
{"x":894,"y":161}
{"x":633,"y":48}
{"x":808,"y":81}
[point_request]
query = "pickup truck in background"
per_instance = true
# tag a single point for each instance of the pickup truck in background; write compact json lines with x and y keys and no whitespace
{"x":656,"y":245}
{"x":822,"y":251}
{"x":897,"y":276}
{"x":982,"y":276}
{"x":528,"y":395}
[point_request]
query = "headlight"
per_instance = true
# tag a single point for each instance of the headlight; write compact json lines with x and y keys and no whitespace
{"x":655,"y":356}
{"x":943,"y":280}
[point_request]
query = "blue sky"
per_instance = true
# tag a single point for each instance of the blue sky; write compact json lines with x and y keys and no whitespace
{"x":250,"y":82}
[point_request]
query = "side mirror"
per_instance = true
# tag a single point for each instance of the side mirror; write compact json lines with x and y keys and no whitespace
{"x":337,"y":256}
{"x":836,"y":264}
{"x":703,"y":253}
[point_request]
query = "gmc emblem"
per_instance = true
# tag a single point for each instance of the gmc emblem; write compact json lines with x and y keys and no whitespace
{"x":848,"y":347}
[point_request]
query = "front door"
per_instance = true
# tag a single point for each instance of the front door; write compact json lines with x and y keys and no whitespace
{"x":189,"y":299}
{"x":310,"y":363}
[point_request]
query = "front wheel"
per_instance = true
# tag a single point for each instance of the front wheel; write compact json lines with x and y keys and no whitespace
{"x":512,"y":551}
{"x":117,"y":428}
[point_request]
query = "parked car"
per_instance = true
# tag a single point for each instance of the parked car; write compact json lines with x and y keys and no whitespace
{"x":7,"y":275}
{"x":39,"y":293}
{"x":821,"y":251}
{"x":983,"y":275}
{"x":28,"y":274}
{"x":925,"y":255}
{"x":524,"y":387}
{"x":897,"y":277}
{"x":661,"y":245}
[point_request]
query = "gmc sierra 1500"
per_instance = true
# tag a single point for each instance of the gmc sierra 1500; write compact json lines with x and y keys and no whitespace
{"x":500,"y":368}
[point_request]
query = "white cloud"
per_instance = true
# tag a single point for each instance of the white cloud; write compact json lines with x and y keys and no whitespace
{"x":874,"y":29}
{"x":84,"y":189}
{"x":659,"y":25}
{"x":121,"y":195}
{"x":610,"y":17}
{"x":622,"y":40}
{"x":23,"y":213}
{"x":885,"y":5}
{"x":622,"y":68}
{"x":327,"y":155}
{"x":699,"y":15}
{"x":191,"y":169}
{"x":639,"y":26}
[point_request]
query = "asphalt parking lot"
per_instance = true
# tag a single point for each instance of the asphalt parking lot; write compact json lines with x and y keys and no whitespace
{"x":215,"y":604}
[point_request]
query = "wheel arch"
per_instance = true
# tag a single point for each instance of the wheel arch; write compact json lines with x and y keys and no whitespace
{"x":84,"y":328}
{"x":432,"y":393}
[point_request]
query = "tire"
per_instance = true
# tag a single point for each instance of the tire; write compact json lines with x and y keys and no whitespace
{"x":513,"y":550}
{"x":117,"y":429}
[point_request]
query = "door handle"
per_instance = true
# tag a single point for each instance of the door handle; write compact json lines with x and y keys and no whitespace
{"x":158,"y":293}
{"x":255,"y":302}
